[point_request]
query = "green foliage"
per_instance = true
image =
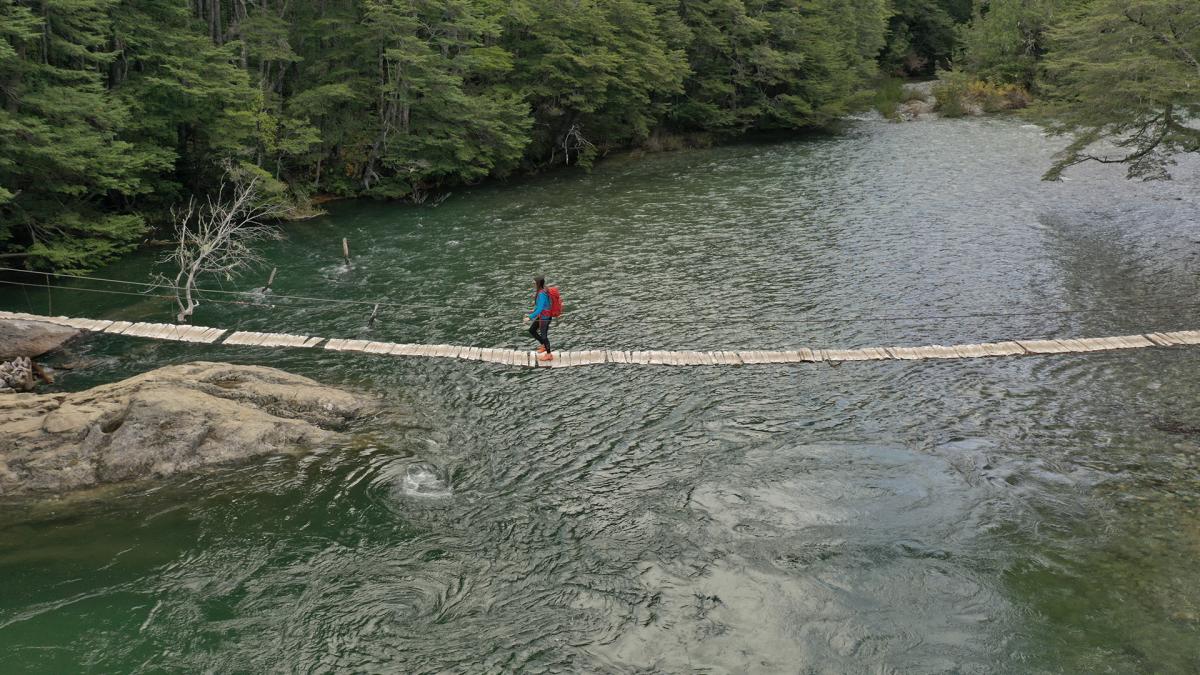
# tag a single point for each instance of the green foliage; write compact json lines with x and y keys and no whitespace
{"x":114,"y":110}
{"x":959,"y":94}
{"x":1007,"y":38}
{"x":887,"y":96}
{"x":775,"y":64}
{"x":1126,"y":73}
{"x":923,"y":35}
{"x":951,"y":94}
{"x":66,"y":171}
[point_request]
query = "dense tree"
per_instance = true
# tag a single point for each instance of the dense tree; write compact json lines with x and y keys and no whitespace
{"x":922,"y":35}
{"x":66,"y":175}
{"x":774,"y":64}
{"x":114,"y":110}
{"x":1126,"y":73}
{"x":1007,"y":38}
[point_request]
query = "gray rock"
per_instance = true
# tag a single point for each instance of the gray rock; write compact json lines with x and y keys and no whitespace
{"x":16,"y":375}
{"x":31,"y":339}
{"x":167,"y":421}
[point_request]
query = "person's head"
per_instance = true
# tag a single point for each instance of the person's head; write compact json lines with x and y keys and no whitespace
{"x":539,"y":282}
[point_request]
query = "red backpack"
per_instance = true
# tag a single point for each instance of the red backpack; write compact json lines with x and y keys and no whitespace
{"x":555,"y":301}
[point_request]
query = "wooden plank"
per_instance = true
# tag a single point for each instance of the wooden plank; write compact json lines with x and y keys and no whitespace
{"x":1170,"y":338}
{"x":903,"y":353}
{"x":118,"y":327}
{"x":1114,"y":343}
{"x":969,"y":351}
{"x":1042,"y":346}
{"x":189,"y":333}
{"x":1183,"y":337}
{"x":1160,"y":340}
{"x":943,"y":352}
{"x":1135,"y":341}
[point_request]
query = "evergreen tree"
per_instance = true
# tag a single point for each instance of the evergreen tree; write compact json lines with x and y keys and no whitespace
{"x":1126,"y":72}
{"x":1007,"y":39}
{"x":923,"y":35}
{"x":68,"y":177}
{"x":775,"y":64}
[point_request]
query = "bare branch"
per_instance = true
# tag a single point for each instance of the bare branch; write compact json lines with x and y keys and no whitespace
{"x":219,"y":237}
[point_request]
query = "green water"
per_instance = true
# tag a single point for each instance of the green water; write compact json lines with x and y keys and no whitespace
{"x":998,"y":515}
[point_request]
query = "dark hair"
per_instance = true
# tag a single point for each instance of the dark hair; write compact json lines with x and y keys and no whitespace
{"x":540,"y":281}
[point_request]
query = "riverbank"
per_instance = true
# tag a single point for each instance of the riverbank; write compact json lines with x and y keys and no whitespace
{"x":953,"y":95}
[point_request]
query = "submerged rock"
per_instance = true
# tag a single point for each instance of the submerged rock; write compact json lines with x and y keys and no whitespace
{"x":163,"y":422}
{"x":31,"y":339}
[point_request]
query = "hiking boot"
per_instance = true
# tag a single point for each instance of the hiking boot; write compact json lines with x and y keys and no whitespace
{"x":546,"y":357}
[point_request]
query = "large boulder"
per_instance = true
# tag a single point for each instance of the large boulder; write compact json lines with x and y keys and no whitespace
{"x":163,"y":422}
{"x":31,"y":339}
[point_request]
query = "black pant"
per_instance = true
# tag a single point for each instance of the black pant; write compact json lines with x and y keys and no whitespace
{"x":540,"y":330}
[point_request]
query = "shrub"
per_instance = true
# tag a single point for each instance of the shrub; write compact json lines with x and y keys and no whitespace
{"x":951,"y":94}
{"x":889,"y":93}
{"x":959,"y":94}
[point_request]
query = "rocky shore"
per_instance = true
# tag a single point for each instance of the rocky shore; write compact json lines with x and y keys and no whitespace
{"x":170,"y":420}
{"x":21,"y":342}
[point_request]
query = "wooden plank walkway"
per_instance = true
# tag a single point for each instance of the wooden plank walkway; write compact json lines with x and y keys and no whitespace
{"x":568,"y":359}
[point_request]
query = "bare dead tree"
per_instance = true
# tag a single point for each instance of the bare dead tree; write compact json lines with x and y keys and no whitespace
{"x":217,"y":237}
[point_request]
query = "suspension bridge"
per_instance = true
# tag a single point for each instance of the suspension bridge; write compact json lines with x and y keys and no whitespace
{"x":567,"y":359}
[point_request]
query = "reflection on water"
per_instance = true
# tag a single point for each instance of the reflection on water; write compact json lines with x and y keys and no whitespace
{"x":1001,"y":515}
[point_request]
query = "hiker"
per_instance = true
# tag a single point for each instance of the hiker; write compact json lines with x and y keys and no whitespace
{"x":546,"y":306}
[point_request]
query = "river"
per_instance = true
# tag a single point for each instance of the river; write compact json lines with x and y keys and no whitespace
{"x":1034,"y":514}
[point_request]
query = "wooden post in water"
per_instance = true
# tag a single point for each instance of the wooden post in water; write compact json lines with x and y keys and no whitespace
{"x":374,"y":313}
{"x":346,"y":251}
{"x":270,"y":279}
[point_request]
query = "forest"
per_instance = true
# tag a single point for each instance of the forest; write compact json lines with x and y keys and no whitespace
{"x":116,"y":110}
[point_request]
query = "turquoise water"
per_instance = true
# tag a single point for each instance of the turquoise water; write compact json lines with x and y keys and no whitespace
{"x":999,"y":515}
